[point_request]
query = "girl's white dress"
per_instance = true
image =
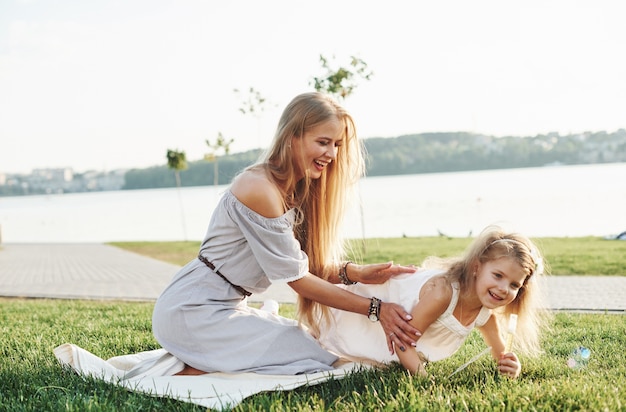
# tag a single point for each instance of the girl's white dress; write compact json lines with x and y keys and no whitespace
{"x":205,"y":322}
{"x":355,"y":337}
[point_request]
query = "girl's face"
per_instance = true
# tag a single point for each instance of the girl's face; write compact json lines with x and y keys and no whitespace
{"x":498,"y":281}
{"x":317,"y":148}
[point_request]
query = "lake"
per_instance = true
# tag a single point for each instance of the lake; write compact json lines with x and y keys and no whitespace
{"x":569,"y":201}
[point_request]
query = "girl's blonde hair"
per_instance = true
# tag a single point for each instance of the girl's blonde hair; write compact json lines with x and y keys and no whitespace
{"x":529,"y":304}
{"x":322,"y":203}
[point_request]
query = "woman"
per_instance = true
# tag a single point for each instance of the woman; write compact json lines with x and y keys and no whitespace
{"x":278,"y":222}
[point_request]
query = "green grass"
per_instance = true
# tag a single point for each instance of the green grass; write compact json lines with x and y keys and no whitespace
{"x":564,"y":256}
{"x":31,"y":379}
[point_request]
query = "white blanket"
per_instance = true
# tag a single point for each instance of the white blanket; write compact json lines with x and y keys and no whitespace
{"x":151,"y":373}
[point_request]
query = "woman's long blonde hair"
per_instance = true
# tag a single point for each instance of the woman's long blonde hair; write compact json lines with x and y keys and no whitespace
{"x":529,"y":304}
{"x":321,"y":203}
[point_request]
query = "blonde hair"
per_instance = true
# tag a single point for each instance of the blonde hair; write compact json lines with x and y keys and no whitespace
{"x":529,"y":304}
{"x":322,"y":203}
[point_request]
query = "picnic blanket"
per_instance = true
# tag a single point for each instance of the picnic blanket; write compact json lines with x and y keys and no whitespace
{"x":151,"y":372}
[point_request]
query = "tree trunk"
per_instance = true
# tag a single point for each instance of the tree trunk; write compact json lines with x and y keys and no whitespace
{"x":215,"y":177}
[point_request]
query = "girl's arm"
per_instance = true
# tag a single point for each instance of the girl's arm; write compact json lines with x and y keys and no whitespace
{"x":435,"y":298}
{"x":508,"y":363}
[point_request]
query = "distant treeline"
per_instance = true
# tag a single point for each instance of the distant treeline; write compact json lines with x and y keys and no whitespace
{"x":199,"y":173}
{"x":423,"y":153}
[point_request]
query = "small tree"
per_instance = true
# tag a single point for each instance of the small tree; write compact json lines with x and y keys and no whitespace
{"x":342,"y":81}
{"x":178,"y":161}
{"x":253,"y":104}
{"x":220,"y":145}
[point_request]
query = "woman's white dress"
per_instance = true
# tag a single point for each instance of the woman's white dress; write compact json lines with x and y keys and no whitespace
{"x":204,"y":321}
{"x":355,"y":337}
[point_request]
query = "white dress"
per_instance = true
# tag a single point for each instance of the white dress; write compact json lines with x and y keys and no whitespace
{"x":355,"y":337}
{"x":205,"y":322}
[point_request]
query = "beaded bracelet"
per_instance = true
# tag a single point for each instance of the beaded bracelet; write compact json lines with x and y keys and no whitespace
{"x":373,"y":313}
{"x":343,"y":274}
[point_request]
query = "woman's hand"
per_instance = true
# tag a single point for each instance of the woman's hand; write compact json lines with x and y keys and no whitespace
{"x":376,"y":273}
{"x":395,"y":322}
{"x":509,"y":365}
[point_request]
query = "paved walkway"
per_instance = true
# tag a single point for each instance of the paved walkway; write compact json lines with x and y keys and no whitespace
{"x":97,"y":271}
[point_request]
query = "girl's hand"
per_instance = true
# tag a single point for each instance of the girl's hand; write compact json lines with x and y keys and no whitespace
{"x":395,"y":322}
{"x":509,"y":365}
{"x":376,"y":273}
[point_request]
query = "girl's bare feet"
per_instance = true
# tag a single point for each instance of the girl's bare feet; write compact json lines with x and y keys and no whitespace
{"x":188,"y":370}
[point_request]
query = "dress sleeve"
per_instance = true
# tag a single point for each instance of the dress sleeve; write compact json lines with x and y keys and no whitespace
{"x":273,"y":243}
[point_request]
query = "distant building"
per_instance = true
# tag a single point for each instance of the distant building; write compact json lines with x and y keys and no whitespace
{"x":50,"y":180}
{"x":60,"y":180}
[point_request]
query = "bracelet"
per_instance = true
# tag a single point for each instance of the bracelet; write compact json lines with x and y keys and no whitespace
{"x":373,"y":313}
{"x":343,"y":274}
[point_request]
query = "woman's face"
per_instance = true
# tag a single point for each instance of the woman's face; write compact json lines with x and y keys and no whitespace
{"x":499,"y":281}
{"x":316,"y":149}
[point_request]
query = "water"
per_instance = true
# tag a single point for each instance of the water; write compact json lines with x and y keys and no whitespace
{"x":586,"y":200}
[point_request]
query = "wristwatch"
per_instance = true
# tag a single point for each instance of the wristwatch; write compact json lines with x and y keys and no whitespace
{"x":374,"y":311}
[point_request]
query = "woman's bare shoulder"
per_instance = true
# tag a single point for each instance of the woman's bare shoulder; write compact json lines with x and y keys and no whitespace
{"x":254,"y":189}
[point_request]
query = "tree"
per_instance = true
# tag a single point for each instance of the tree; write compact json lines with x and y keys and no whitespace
{"x":342,"y":81}
{"x":254,"y":104}
{"x":221,"y":144}
{"x":178,"y":161}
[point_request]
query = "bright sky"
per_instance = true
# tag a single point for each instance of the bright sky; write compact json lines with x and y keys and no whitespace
{"x":108,"y":84}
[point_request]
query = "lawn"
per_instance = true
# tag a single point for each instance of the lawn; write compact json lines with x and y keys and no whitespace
{"x":564,"y":256}
{"x":31,"y":379}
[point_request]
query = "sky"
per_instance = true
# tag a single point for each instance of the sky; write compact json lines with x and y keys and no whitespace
{"x":113,"y":84}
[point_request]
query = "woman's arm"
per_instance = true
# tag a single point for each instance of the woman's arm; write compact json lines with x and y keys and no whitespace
{"x":393,"y":318}
{"x":508,"y":363}
{"x":375,"y":273}
{"x":435,"y":298}
{"x":257,"y":192}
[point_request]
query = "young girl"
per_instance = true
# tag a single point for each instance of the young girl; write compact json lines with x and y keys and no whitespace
{"x":279,"y":221}
{"x":496,"y":277}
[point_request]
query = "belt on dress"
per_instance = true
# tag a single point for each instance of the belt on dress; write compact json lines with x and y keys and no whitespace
{"x":212,"y":267}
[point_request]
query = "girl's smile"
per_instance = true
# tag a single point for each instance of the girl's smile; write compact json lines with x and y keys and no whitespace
{"x":498,"y":282}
